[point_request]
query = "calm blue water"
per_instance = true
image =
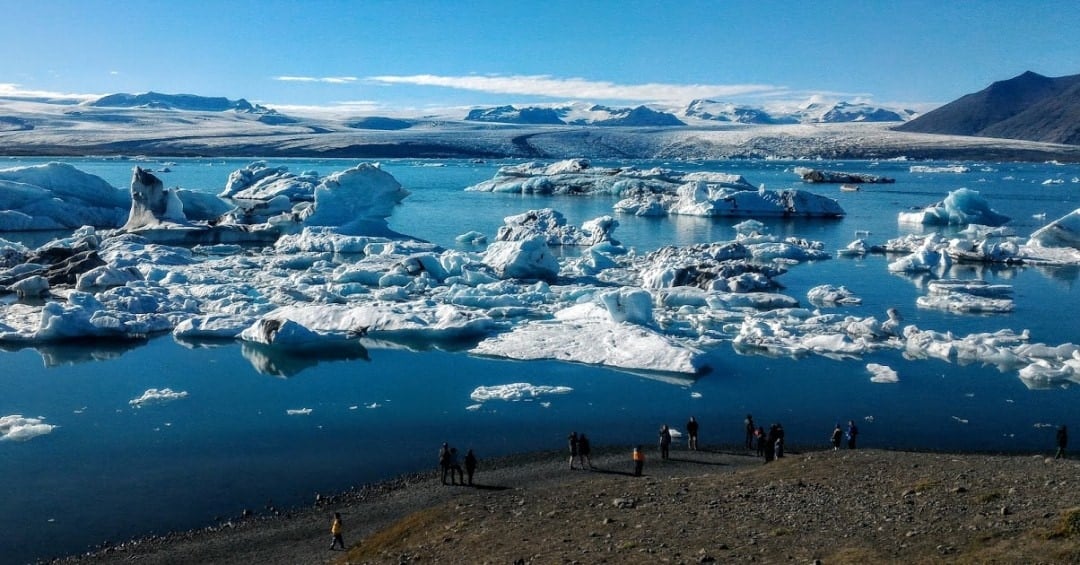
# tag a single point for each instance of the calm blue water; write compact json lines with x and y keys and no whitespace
{"x":109,"y":471}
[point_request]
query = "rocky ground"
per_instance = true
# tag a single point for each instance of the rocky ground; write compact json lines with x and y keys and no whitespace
{"x":698,"y":507}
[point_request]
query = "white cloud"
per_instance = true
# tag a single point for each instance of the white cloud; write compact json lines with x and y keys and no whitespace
{"x":13,"y":90}
{"x":328,"y":80}
{"x":579,"y":88}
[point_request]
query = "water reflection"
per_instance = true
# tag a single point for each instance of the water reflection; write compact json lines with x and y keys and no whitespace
{"x":286,"y":364}
{"x":76,"y":352}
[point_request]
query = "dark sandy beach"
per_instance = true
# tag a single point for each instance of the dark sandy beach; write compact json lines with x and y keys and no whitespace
{"x":863,"y":506}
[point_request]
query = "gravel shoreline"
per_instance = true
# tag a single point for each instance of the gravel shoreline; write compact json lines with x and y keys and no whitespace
{"x":726,"y":506}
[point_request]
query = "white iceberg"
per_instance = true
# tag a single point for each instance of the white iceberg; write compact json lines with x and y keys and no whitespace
{"x":17,"y":428}
{"x":961,"y":207}
{"x":155,"y":396}
{"x":524,"y":259}
{"x":579,"y":177}
{"x":515,"y":391}
{"x":298,"y":411}
{"x":958,"y":169}
{"x":587,"y":333}
{"x":829,"y":295}
{"x":1056,"y":242}
{"x":552,"y":225}
{"x":58,"y":196}
{"x":882,"y":373}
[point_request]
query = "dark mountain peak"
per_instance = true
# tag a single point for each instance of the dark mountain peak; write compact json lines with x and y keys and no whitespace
{"x":1028,"y":106}
{"x":163,"y":101}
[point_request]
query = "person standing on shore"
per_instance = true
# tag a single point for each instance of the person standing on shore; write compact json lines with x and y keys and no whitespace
{"x":584,"y":450}
{"x":665,"y":441}
{"x":759,"y":435}
{"x":779,"y":440}
{"x":748,"y":424}
{"x":639,"y":460}
{"x":691,"y":430}
{"x":470,"y":465}
{"x":1062,"y":442}
{"x":572,"y":439}
{"x":852,"y":434}
{"x":837,"y":433}
{"x":335,"y":531}
{"x":444,"y":460}
{"x":770,"y":444}
{"x":455,"y":468}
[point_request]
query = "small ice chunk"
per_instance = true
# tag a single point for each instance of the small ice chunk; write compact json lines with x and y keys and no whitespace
{"x":882,"y":373}
{"x":155,"y":396}
{"x":298,"y":411}
{"x":515,"y":391}
{"x":17,"y":428}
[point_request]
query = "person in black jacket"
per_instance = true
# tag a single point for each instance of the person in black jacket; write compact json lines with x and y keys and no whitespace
{"x":691,"y":431}
{"x":470,"y":465}
{"x":1062,"y":442}
{"x":584,"y":449}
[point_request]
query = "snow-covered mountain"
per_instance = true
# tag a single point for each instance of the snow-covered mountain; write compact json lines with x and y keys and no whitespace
{"x":187,"y":125}
{"x":175,"y":102}
{"x":574,"y":114}
{"x":812,"y":112}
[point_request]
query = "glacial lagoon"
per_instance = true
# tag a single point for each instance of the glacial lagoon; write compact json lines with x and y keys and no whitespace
{"x":258,"y":429}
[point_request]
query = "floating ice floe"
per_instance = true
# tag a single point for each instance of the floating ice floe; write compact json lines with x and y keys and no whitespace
{"x":590,"y":333}
{"x":700,"y":198}
{"x":1056,"y":242}
{"x":552,"y":225}
{"x":829,"y":295}
{"x":155,"y":396}
{"x":970,"y":297}
{"x":882,"y":373}
{"x":956,"y":169}
{"x":471,"y":238}
{"x":930,"y":257}
{"x":961,"y":207}
{"x":298,"y":411}
{"x":515,"y":391}
{"x":17,"y":428}
{"x":57,"y":196}
{"x":816,"y":176}
{"x":578,"y":176}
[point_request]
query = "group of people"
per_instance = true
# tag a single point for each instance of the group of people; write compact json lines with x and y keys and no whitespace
{"x":580,"y":449}
{"x":769,"y":445}
{"x":449,"y":464}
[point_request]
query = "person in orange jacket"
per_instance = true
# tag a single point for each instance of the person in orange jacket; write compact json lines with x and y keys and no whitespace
{"x":335,"y":530}
{"x":639,"y":461}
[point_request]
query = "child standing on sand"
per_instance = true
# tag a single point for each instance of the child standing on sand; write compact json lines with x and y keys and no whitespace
{"x":639,"y":460}
{"x":335,"y":530}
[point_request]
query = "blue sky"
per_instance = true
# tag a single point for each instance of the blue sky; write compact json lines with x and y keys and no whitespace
{"x":410,"y":55}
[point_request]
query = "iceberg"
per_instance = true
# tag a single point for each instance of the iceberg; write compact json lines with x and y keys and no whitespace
{"x":552,"y":225}
{"x":958,"y":169}
{"x":815,"y":176}
{"x":882,"y":373}
{"x":578,"y":176}
{"x":17,"y":428}
{"x":1056,"y":242}
{"x":58,"y":196}
{"x":588,"y":333}
{"x":961,"y":207}
{"x":829,"y":295}
{"x":700,"y":198}
{"x":155,"y":396}
{"x":515,"y":391}
{"x":529,"y":258}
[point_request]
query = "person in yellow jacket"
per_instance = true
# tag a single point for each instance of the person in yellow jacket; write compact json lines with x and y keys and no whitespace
{"x":335,"y":530}
{"x":639,"y":461}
